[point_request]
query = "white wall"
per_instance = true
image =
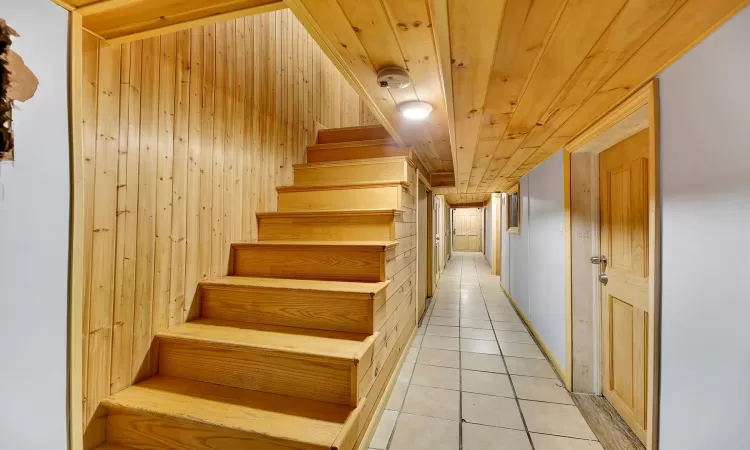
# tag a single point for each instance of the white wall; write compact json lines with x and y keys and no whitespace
{"x":505,"y":248}
{"x":34,"y":217}
{"x":518,"y":250}
{"x":705,"y":194}
{"x":537,"y":254}
{"x":488,"y":238}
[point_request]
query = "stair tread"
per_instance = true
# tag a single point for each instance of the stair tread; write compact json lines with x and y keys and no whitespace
{"x":360,"y":185}
{"x":358,"y":244}
{"x":110,"y":446}
{"x":304,"y":285}
{"x":274,"y":418}
{"x":352,"y":162}
{"x":332,"y":212}
{"x":299,"y":341}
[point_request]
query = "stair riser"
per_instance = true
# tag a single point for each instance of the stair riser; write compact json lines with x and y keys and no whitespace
{"x":347,"y":153}
{"x":309,"y":263}
{"x":142,"y":431}
{"x":329,"y":136}
{"x":381,"y":197}
{"x":316,"y":378}
{"x":351,"y":173}
{"x":335,"y":228}
{"x":292,"y":308}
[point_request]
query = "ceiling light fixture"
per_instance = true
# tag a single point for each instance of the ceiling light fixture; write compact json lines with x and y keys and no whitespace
{"x":415,"y":110}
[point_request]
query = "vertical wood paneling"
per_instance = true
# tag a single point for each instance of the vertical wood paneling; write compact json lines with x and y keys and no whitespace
{"x":179,"y":178}
{"x":186,"y":137}
{"x":193,"y":200}
{"x":146,"y":222}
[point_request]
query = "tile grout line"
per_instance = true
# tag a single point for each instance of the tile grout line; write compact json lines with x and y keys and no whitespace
{"x":507,"y":372}
{"x":460,"y":372}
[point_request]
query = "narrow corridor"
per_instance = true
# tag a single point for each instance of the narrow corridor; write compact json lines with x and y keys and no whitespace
{"x":474,"y":378}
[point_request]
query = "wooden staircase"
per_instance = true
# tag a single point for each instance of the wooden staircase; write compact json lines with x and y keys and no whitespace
{"x":293,"y":349}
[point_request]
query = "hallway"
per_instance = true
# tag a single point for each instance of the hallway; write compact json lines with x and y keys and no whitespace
{"x":473,"y":363}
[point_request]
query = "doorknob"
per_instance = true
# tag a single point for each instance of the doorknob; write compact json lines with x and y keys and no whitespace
{"x":603,"y":278}
{"x":599,"y":260}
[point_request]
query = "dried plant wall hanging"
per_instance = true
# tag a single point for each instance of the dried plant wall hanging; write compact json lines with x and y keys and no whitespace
{"x":18,"y":84}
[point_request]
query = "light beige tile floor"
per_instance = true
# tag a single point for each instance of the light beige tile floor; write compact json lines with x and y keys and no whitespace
{"x":474,"y":379}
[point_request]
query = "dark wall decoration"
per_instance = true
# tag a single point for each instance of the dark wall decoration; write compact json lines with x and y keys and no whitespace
{"x":18,"y":84}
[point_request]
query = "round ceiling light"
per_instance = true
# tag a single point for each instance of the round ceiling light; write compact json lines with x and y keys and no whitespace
{"x":415,"y":110}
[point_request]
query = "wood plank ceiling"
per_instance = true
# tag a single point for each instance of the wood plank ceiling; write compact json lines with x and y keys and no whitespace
{"x":510,"y":81}
{"x":362,"y":37}
{"x":117,"y":21}
{"x":523,"y":77}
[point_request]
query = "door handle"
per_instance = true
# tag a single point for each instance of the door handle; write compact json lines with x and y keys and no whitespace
{"x":599,"y":260}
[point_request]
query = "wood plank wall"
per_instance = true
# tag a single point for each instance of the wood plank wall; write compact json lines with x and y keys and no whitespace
{"x":185,"y":138}
{"x":396,"y":318}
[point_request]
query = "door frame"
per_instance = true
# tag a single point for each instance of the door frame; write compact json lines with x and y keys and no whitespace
{"x":423,"y":183}
{"x":581,"y":193}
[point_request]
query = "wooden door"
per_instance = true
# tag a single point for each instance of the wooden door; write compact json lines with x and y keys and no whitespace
{"x":623,"y":202}
{"x":467,"y":229}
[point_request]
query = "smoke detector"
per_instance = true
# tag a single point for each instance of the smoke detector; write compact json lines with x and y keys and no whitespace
{"x":394,"y":78}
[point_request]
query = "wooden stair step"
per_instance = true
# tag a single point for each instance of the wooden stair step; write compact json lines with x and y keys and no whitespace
{"x":376,"y":195}
{"x":109,"y":446}
{"x":358,"y":261}
{"x":329,"y":225}
{"x":347,"y":134}
{"x":324,"y":305}
{"x":341,"y":151}
{"x":166,"y":413}
{"x":314,"y":364}
{"x":353,"y":171}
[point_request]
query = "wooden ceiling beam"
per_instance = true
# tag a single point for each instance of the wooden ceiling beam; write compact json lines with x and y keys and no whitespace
{"x":118,"y":21}
{"x":635,"y":24}
{"x":474,"y":31}
{"x":577,"y":31}
{"x":411,"y":22}
{"x":523,"y":35}
{"x":363,"y":37}
{"x":467,"y":199}
{"x":467,"y":205}
{"x":442,"y":179}
{"x":438,"y":13}
{"x":64,"y":4}
{"x":103,"y":6}
{"x":629,"y":60}
{"x":328,"y":25}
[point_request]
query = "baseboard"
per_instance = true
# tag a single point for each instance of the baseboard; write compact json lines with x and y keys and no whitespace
{"x":380,"y":407}
{"x":547,"y":352}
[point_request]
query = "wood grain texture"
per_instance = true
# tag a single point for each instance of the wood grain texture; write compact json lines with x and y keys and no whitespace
{"x":317,"y":365}
{"x":352,"y":134}
{"x":321,"y":198}
{"x":125,"y":20}
{"x":339,"y":151}
{"x":357,"y":262}
{"x":607,"y":425}
{"x":356,"y":171}
{"x":181,"y":146}
{"x":353,"y":225}
{"x":474,"y":29}
{"x":166,"y":412}
{"x":294,"y":303}
{"x":364,"y":37}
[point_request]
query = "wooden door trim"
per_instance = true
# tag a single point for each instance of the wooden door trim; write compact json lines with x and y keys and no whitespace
{"x":637,"y":112}
{"x":430,"y":244}
{"x":77,"y":233}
